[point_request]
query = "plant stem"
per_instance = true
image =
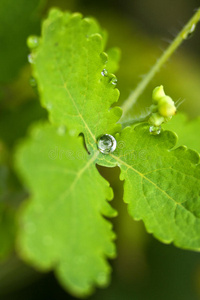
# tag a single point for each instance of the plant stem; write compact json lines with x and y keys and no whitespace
{"x":135,"y":121}
{"x":183,"y":35}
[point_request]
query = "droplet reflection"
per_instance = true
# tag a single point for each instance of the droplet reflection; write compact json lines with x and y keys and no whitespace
{"x":155,"y":130}
{"x":107,"y":144}
{"x":104,"y":72}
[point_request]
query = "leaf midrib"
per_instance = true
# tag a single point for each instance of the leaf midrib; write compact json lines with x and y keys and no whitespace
{"x":64,"y":82}
{"x":78,"y":176}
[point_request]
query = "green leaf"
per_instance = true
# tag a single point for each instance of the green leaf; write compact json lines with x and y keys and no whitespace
{"x":62,"y":226}
{"x":187,"y":130}
{"x":68,"y":65}
{"x":162,"y":185}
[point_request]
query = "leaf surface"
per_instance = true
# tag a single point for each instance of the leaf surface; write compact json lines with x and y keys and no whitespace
{"x":63,"y":225}
{"x":162,"y":185}
{"x":68,"y":65}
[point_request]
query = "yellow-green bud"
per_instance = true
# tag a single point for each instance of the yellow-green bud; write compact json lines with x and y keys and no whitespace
{"x":157,"y":94}
{"x":166,"y":107}
{"x":156,"y":119}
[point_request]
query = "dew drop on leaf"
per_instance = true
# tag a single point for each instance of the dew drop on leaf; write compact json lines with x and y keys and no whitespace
{"x":33,"y":82}
{"x":107,"y":144}
{"x":104,"y":72}
{"x":32,"y":41}
{"x":31,"y":58}
{"x":114,"y":81}
{"x":154,"y":130}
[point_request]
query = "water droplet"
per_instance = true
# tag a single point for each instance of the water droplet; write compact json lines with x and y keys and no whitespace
{"x":114,"y":81}
{"x":189,"y":33}
{"x":155,"y":130}
{"x":61,"y":130}
{"x":33,"y":82}
{"x":31,"y":58}
{"x":32,"y":41}
{"x":104,"y":72}
{"x":107,"y":144}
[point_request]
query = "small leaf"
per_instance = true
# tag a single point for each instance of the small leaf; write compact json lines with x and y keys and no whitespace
{"x":62,"y":226}
{"x":162,"y":185}
{"x":68,"y":66}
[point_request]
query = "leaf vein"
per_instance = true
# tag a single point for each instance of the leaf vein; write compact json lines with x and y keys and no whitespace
{"x":73,"y":101}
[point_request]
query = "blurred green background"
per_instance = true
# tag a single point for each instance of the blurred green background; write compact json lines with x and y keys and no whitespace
{"x":145,"y":269}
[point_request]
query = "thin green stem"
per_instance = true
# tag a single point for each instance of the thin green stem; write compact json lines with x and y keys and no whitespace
{"x":183,"y":34}
{"x":135,"y":121}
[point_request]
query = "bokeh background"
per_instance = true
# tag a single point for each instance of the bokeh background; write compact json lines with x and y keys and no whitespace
{"x":145,"y":269}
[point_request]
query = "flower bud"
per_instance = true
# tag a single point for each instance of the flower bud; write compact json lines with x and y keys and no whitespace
{"x":166,"y":107}
{"x":157,"y":94}
{"x":156,"y":119}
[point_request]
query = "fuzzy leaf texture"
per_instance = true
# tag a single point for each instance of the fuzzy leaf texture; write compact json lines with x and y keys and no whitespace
{"x":68,"y":65}
{"x":63,"y":227}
